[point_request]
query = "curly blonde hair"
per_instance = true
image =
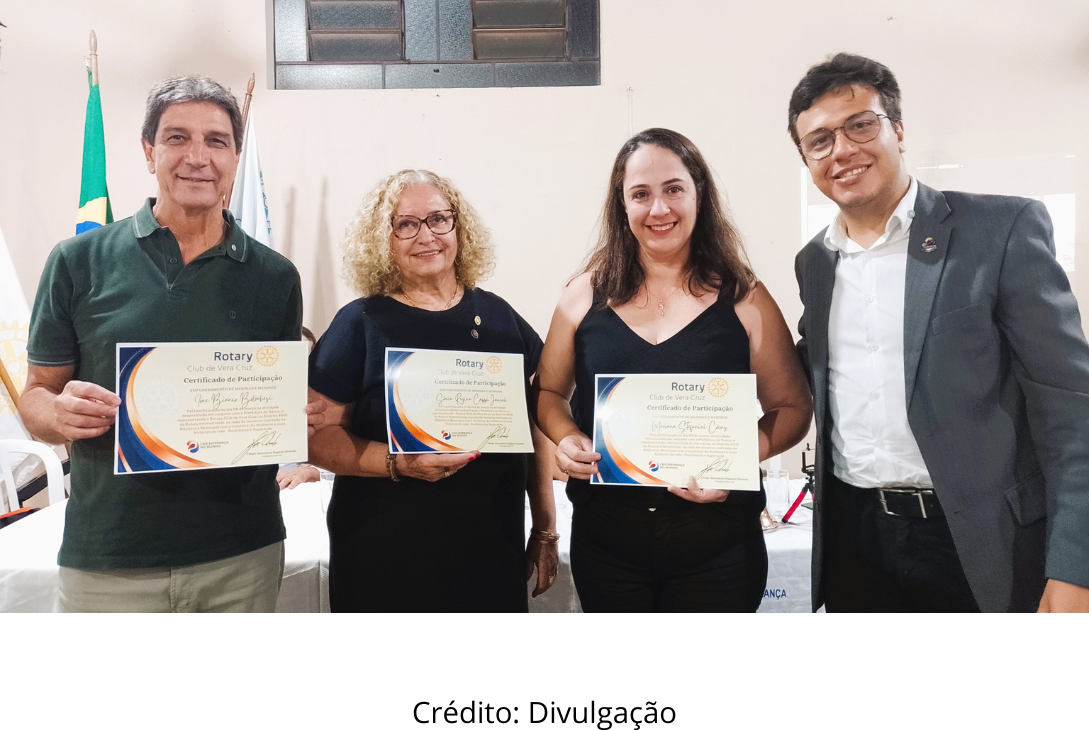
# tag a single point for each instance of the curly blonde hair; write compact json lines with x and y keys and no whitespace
{"x":368,"y":266}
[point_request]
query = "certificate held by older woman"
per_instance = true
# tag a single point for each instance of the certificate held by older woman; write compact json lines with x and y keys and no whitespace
{"x":662,"y":430}
{"x":445,"y":400}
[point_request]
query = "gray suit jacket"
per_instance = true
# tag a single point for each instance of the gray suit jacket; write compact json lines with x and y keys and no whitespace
{"x":996,"y":372}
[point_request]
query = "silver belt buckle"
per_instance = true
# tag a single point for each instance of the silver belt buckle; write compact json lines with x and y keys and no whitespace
{"x":919,"y":493}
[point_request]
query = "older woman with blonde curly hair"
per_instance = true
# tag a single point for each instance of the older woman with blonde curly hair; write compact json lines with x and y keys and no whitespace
{"x":437,"y":531}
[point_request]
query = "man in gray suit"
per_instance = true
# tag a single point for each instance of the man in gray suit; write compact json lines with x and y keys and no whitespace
{"x":950,"y":377}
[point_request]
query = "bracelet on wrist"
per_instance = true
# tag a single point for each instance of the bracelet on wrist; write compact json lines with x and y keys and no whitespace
{"x":545,"y":537}
{"x":391,"y":464}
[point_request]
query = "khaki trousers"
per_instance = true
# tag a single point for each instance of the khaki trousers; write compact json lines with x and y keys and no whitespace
{"x":247,"y":583}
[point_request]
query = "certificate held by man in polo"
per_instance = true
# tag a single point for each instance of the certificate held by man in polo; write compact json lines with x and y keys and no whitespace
{"x":209,"y":405}
{"x":451,"y":401}
{"x":662,"y":430}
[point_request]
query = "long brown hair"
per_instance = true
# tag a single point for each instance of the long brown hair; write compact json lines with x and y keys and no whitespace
{"x":716,"y":257}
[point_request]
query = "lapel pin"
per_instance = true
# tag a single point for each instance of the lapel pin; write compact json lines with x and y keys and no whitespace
{"x":929,"y":246}
{"x":477,"y":319}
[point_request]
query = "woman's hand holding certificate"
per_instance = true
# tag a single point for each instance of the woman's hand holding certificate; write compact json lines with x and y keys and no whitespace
{"x":576,"y":456}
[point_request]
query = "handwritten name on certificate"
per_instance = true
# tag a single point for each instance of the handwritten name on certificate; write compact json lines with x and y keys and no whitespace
{"x":659,"y":430}
{"x":447,"y":400}
{"x":209,"y":405}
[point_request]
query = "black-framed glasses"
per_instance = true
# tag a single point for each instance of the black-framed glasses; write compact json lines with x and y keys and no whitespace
{"x":439,"y":221}
{"x":859,"y":128}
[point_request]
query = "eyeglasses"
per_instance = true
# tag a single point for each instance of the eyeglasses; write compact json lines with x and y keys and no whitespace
{"x":860,"y":128}
{"x":440,"y":221}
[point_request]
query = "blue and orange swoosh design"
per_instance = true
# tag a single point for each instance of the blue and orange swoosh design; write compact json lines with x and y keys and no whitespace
{"x":406,"y":436}
{"x":138,"y":449}
{"x":615,"y":467}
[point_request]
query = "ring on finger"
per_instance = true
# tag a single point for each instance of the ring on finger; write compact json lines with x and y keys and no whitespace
{"x":445,"y":473}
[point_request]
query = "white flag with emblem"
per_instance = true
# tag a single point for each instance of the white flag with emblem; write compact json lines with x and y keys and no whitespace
{"x":248,"y":204}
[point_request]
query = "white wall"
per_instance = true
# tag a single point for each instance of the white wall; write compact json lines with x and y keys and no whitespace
{"x":981,"y":79}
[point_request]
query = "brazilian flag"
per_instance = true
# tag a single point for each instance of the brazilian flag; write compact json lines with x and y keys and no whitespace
{"x":94,"y":199}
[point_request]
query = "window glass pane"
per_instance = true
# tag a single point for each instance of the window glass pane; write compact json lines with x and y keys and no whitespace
{"x":456,"y":30}
{"x":342,"y":47}
{"x":490,"y":44}
{"x":421,"y":30}
{"x":353,"y":14}
{"x":328,"y":76}
{"x":518,"y":13}
{"x":290,"y":17}
{"x":582,"y":29}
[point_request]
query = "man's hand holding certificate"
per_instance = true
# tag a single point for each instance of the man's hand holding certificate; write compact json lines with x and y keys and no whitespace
{"x":209,"y":405}
{"x":662,"y":430}
{"x":448,"y":401}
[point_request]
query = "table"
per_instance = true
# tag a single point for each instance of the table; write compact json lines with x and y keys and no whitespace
{"x":790,"y":551}
{"x":28,"y":558}
{"x":28,"y":555}
{"x":305,"y":588}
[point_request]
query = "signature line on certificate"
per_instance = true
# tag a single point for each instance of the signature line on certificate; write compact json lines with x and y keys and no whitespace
{"x":268,"y":438}
{"x":500,"y":432}
{"x":721,"y":464}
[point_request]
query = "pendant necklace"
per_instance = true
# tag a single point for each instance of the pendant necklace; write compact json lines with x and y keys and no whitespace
{"x":661,"y":301}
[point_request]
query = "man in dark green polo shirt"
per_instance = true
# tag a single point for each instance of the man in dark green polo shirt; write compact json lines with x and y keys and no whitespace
{"x":180,"y":270}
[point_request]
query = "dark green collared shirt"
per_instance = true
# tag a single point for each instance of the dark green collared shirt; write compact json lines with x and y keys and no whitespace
{"x":125,"y":282}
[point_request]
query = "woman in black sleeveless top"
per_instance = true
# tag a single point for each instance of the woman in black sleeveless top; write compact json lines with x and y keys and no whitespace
{"x":667,"y":290}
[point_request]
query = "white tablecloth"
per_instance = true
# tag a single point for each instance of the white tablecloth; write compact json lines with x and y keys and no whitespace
{"x":28,"y":558}
{"x":790,"y":550}
{"x":306,"y":550}
{"x":28,"y":555}
{"x":28,"y":561}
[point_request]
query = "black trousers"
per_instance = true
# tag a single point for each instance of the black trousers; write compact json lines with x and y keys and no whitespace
{"x":874,"y":562}
{"x":676,"y":558}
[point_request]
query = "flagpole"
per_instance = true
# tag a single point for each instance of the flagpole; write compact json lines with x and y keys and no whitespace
{"x":249,"y":97}
{"x":8,"y":384}
{"x":245,"y":116}
{"x":93,"y":59}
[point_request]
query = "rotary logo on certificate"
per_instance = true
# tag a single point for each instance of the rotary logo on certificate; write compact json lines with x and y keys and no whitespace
{"x":659,"y":430}
{"x":206,"y":405}
{"x":447,"y":400}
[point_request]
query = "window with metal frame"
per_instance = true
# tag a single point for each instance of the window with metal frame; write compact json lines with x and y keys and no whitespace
{"x":520,"y":29}
{"x":355,"y":31}
{"x":388,"y":44}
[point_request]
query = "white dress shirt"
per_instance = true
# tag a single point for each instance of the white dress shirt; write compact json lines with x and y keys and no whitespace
{"x":872,"y":443}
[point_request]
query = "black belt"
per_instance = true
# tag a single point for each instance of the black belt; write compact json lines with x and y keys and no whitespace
{"x":902,"y":501}
{"x":910,"y":502}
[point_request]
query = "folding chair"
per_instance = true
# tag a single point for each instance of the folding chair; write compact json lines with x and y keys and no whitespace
{"x":53,"y":470}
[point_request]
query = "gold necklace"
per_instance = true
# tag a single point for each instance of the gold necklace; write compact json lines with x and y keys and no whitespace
{"x":449,"y":301}
{"x":661,"y":300}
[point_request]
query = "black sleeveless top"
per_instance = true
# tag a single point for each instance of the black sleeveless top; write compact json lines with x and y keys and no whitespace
{"x":714,"y":342}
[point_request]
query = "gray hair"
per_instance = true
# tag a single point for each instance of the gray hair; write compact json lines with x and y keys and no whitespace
{"x":184,"y":89}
